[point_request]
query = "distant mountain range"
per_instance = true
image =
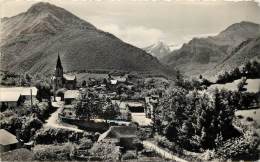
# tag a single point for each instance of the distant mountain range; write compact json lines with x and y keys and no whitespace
{"x":32,"y":40}
{"x":159,"y":49}
{"x":212,"y":55}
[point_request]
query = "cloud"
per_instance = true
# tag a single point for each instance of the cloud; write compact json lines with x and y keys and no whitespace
{"x":139,"y":36}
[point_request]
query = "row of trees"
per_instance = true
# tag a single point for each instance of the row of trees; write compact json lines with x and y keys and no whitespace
{"x":250,"y":70}
{"x":192,"y":84}
{"x":197,"y":121}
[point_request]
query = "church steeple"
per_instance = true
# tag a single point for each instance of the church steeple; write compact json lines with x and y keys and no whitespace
{"x":59,"y":68}
{"x":58,"y":65}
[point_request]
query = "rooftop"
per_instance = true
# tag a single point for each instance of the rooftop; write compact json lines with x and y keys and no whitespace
{"x":119,"y":132}
{"x":69,"y":77}
{"x":135,"y":104}
{"x":9,"y":96}
{"x":7,"y":138}
{"x":72,"y":94}
{"x":24,"y":91}
{"x":113,"y":81}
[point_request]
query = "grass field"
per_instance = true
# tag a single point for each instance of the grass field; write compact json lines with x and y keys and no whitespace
{"x":253,"y":85}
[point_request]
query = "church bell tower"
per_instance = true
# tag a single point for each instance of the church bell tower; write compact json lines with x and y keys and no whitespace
{"x":58,"y":74}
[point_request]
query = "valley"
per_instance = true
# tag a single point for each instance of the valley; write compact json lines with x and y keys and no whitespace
{"x":70,"y":91}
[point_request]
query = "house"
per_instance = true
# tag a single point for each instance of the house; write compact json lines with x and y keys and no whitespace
{"x":70,"y":96}
{"x":114,"y":81}
{"x":125,"y":135}
{"x":26,"y":92}
{"x":60,"y":80}
{"x":8,"y":141}
{"x":9,"y":99}
{"x":135,"y":107}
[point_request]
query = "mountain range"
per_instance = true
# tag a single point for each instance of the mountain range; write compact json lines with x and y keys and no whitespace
{"x":32,"y":40}
{"x":212,"y":55}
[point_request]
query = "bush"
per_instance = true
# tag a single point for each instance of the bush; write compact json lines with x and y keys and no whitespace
{"x":165,"y":143}
{"x":129,"y":155}
{"x":144,"y":133}
{"x":105,"y":150}
{"x":54,"y":152}
{"x":240,"y":148}
{"x":57,"y":135}
{"x":31,"y":125}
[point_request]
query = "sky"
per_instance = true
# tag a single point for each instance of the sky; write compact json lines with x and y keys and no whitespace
{"x":145,"y":22}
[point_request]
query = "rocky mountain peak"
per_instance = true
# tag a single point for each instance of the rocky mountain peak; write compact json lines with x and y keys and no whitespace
{"x":41,"y":7}
{"x":159,"y":49}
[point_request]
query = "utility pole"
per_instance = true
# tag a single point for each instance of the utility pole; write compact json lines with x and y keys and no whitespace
{"x":31,"y":98}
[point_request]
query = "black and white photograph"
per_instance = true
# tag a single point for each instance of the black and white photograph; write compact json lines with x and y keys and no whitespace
{"x":130,"y":80}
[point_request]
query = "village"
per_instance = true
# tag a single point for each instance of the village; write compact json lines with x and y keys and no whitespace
{"x":113,"y":106}
{"x":113,"y":117}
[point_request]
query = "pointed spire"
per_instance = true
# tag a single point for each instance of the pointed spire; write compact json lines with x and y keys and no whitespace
{"x":58,"y":65}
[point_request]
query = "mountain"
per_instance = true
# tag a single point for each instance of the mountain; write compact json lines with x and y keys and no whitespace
{"x":247,"y":51}
{"x":159,"y":49}
{"x":32,"y":40}
{"x":202,"y":55}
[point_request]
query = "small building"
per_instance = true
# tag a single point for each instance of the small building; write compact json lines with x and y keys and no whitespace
{"x":126,"y":135}
{"x":9,"y":100}
{"x":8,"y":141}
{"x":70,"y":96}
{"x":136,"y":107}
{"x":25,"y":92}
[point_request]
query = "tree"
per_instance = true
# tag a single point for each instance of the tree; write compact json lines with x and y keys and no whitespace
{"x":185,"y":116}
{"x":110,"y":111}
{"x":241,"y":84}
{"x":236,"y":73}
{"x":84,"y":83}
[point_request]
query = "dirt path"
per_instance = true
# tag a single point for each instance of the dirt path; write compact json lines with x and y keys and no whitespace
{"x":54,"y":122}
{"x":162,"y":152}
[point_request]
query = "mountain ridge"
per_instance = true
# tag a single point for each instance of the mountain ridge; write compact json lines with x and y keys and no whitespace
{"x":33,"y":38}
{"x":203,"y":54}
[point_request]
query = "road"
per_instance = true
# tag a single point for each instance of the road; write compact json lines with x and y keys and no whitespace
{"x":54,"y":122}
{"x":162,"y":152}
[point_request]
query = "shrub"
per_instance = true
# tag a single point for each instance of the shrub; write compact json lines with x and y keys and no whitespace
{"x":54,"y":152}
{"x":129,"y":155}
{"x":31,"y":125}
{"x":165,"y":143}
{"x":240,"y":148}
{"x":57,"y":135}
{"x":105,"y":150}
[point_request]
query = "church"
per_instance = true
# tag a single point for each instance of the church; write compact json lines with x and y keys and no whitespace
{"x":60,"y":80}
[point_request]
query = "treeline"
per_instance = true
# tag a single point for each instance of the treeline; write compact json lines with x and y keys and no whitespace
{"x":193,"y":84}
{"x":250,"y":70}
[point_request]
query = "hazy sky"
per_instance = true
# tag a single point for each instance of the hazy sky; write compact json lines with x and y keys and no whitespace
{"x":143,"y":22}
